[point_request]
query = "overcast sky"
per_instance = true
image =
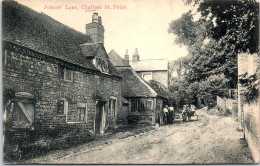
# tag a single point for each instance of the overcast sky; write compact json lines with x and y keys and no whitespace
{"x":143,"y":24}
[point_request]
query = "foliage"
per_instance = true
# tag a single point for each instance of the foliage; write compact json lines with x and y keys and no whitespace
{"x":159,"y":88}
{"x":198,"y":92}
{"x":215,"y":33}
{"x":251,"y":83}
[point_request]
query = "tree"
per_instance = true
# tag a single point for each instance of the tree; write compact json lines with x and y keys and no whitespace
{"x":224,"y":29}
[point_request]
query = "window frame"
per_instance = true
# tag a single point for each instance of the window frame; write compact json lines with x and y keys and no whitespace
{"x":65,"y":106}
{"x":147,"y":73}
{"x":84,"y":106}
{"x":79,"y":105}
{"x":111,"y":100}
{"x":62,"y":75}
{"x":141,"y":105}
{"x":102,"y":64}
{"x":20,"y":101}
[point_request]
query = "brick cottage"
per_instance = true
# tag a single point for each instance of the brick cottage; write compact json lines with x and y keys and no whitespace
{"x":55,"y":79}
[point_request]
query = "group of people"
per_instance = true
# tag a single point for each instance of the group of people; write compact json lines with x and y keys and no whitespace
{"x":168,"y":114}
{"x":187,"y":111}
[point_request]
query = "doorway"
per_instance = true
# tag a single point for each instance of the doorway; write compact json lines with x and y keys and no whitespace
{"x":100,"y":119}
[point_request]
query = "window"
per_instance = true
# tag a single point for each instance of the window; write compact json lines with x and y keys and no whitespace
{"x":141,"y":105}
{"x":62,"y":107}
{"x":102,"y":64}
{"x":23,"y":114}
{"x":22,"y":110}
{"x":134,"y":105}
{"x":147,"y":76}
{"x":112,"y":107}
{"x":81,"y":112}
{"x":148,"y":105}
{"x":65,"y":73}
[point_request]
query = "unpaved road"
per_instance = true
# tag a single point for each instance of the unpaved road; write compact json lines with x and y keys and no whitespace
{"x":212,"y":139}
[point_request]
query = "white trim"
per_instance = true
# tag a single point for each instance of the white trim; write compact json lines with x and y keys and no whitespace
{"x":5,"y":57}
{"x":66,"y":106}
{"x":115,"y":111}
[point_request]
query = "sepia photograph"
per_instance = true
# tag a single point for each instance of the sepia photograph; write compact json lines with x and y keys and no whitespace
{"x":130,"y":82}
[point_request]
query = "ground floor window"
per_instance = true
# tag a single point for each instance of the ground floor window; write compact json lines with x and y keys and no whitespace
{"x":62,"y":107}
{"x":112,"y":106}
{"x":81,"y":111}
{"x":22,"y":110}
{"x":141,"y":105}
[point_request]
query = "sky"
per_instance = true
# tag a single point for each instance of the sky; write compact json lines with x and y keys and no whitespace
{"x":129,"y":24}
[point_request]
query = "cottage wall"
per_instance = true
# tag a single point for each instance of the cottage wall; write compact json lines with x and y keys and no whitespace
{"x":27,"y":71}
{"x":122,"y":114}
{"x":159,"y":76}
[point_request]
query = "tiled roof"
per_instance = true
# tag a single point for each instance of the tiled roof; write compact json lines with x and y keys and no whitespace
{"x":133,"y":85}
{"x":116,"y":59}
{"x":150,"y":65}
{"x":39,"y":32}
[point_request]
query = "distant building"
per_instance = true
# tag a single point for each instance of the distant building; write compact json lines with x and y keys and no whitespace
{"x":145,"y":103}
{"x":150,"y":69}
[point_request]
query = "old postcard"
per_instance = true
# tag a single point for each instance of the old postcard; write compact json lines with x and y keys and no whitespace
{"x":130,"y":82}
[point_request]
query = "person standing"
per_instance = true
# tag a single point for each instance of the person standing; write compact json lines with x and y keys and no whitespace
{"x":165,"y":114}
{"x":171,"y":114}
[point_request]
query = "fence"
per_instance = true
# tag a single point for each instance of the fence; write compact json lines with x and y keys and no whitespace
{"x":227,"y":105}
{"x":221,"y":104}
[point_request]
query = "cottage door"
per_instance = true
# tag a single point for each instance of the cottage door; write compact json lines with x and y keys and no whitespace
{"x":100,"y":118}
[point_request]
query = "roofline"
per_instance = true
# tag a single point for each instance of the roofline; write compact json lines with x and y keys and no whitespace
{"x":61,"y":60}
{"x":147,"y":85}
{"x":152,"y":59}
{"x":149,"y":70}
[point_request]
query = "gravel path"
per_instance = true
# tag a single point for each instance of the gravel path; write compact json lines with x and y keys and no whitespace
{"x":210,"y":140}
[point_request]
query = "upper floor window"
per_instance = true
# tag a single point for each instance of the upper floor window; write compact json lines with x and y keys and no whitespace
{"x":102,"y":64}
{"x":147,"y":76}
{"x":65,"y":73}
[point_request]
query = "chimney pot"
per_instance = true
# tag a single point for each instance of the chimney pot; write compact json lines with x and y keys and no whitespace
{"x":95,"y":29}
{"x":95,"y":18}
{"x":99,"y":20}
{"x":135,"y":56}
{"x":126,"y":58}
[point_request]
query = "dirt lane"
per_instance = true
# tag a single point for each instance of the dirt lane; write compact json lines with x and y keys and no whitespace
{"x":211,"y":139}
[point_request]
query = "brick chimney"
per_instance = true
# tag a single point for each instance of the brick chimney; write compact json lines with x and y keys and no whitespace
{"x":135,"y":56}
{"x":126,"y":58}
{"x":95,"y":29}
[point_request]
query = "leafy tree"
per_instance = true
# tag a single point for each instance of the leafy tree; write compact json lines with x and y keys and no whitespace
{"x":224,"y":29}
